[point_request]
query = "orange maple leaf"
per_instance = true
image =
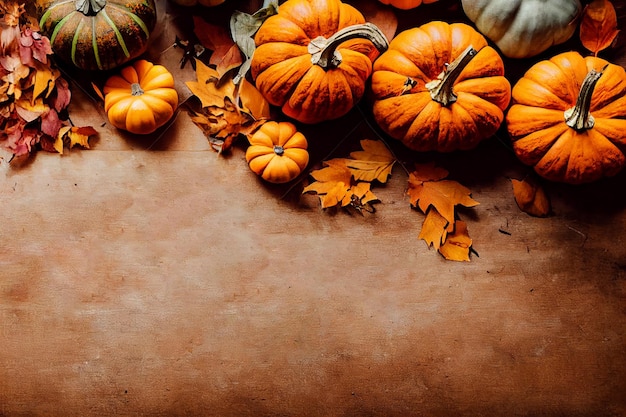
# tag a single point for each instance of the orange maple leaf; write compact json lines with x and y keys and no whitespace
{"x":374,"y":162}
{"x":458,"y":244}
{"x":598,"y":28}
{"x":531,"y":198}
{"x":426,"y":188}
{"x":335,"y":187}
{"x":435,"y":229}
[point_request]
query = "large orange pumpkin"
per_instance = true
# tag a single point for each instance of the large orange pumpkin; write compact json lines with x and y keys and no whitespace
{"x":440,"y":87}
{"x":568,"y":120}
{"x":407,"y":4}
{"x":313,"y":58}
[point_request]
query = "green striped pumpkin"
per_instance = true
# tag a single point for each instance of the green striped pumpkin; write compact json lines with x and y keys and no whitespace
{"x":97,"y":34}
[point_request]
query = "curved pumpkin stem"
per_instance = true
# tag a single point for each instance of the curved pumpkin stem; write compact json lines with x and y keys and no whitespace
{"x":441,"y":88}
{"x":579,"y":117}
{"x":89,"y":7}
{"x":324,"y":51}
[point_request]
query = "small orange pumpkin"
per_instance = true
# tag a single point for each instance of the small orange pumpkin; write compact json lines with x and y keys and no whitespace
{"x":568,"y":120}
{"x":406,"y":4}
{"x":313,"y":58}
{"x":141,"y":98}
{"x":277,"y":152}
{"x":440,"y":87}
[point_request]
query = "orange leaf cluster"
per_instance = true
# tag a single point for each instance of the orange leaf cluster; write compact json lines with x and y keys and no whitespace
{"x":346,"y":182}
{"x":598,"y":28}
{"x":33,"y":95}
{"x":228,"y":109}
{"x":437,"y":197}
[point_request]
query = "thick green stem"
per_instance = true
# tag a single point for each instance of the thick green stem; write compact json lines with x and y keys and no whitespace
{"x":441,"y":88}
{"x":579,"y":117}
{"x":89,"y":7}
{"x":324,"y":51}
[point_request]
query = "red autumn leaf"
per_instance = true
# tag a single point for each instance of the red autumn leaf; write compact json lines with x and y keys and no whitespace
{"x":598,"y":28}
{"x":226,"y":54}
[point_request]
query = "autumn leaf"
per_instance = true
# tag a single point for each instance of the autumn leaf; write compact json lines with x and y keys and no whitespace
{"x":226,"y":54}
{"x":72,"y":136}
{"x":252,"y":101}
{"x":335,"y":187}
{"x":434,"y":229}
{"x":437,"y":197}
{"x":374,"y":162}
{"x":598,"y":27}
{"x":444,"y":195}
{"x":458,"y":244}
{"x":208,"y":87}
{"x":531,"y":198}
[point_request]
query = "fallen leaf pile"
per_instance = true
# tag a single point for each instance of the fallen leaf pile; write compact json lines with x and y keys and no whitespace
{"x":346,"y":182}
{"x":437,"y":197}
{"x":33,"y":95}
{"x":231,"y":105}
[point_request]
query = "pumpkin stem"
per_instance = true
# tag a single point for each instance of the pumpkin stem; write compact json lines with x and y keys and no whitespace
{"x":135,"y":89}
{"x":279,"y":150}
{"x":324,"y":51}
{"x":89,"y":7}
{"x":441,"y":88}
{"x":579,"y":117}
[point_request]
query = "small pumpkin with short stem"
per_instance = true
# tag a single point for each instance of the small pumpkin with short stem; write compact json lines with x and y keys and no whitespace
{"x":141,"y":98}
{"x":406,"y":4}
{"x":97,"y":34}
{"x":440,"y":87}
{"x":568,"y":118}
{"x":277,"y":152}
{"x":313,"y":58}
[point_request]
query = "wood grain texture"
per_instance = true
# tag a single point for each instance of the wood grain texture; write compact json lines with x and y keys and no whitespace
{"x":151,"y":277}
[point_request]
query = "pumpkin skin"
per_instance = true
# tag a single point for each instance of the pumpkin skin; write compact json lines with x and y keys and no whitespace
{"x":101,"y":35}
{"x":286,"y":44}
{"x":406,"y":4}
{"x":141,"y":98}
{"x":277,"y":152}
{"x":524,"y":28}
{"x":552,"y":128}
{"x":431,"y":106}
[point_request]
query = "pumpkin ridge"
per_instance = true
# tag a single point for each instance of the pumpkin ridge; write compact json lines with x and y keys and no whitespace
{"x":117,"y":32}
{"x":132,"y":15}
{"x":59,"y":25}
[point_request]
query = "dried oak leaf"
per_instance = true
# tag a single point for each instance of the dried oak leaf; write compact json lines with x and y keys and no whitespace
{"x":334,"y":186}
{"x":598,"y":27}
{"x":374,"y":162}
{"x":531,"y":198}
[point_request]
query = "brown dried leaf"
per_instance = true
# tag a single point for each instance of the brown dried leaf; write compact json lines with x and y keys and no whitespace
{"x":226,"y":54}
{"x":598,"y":28}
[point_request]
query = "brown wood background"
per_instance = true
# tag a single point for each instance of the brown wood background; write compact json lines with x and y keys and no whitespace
{"x":150,"y":277}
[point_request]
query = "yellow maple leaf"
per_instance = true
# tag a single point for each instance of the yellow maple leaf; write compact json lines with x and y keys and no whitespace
{"x":334,"y":187}
{"x":458,"y":244}
{"x":374,"y":162}
{"x":252,"y":101}
{"x":531,"y":198}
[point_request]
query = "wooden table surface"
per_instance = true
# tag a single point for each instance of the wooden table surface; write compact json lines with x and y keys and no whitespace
{"x":151,"y":277}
